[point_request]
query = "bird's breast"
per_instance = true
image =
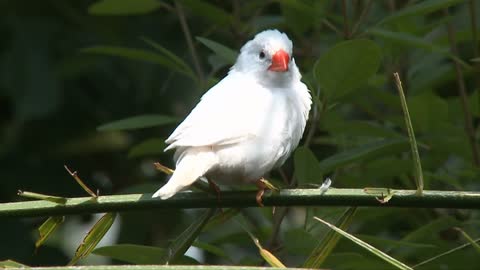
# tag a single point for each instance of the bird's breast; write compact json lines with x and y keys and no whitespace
{"x":275,"y":131}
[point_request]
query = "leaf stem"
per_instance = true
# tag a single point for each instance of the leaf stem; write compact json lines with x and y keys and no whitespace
{"x":411,"y":135}
{"x":188,"y":37}
{"x":346,"y":28}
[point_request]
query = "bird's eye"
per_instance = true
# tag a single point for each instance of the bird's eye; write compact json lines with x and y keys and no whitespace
{"x":261,"y":55}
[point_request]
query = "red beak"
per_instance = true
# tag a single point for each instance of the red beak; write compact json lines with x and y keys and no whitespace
{"x":280,"y":61}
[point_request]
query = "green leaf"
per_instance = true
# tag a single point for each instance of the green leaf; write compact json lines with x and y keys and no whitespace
{"x":136,"y":254}
{"x":140,"y":55}
{"x":12,"y":264}
{"x":389,"y":243}
{"x":367,"y":246}
{"x":428,"y":232}
{"x":220,"y":218}
{"x":421,"y":8}
{"x":408,"y":39}
{"x":429,"y":112}
{"x":448,"y":252}
{"x":298,"y":241}
{"x":177,"y":60}
{"x":307,"y":168}
{"x":47,"y":228}
{"x":180,"y":245}
{"x":148,"y":147}
{"x":267,"y":255}
{"x":211,"y":249}
{"x":370,"y":150}
{"x":347,"y":66}
{"x":325,"y":247}
{"x":209,"y":11}
{"x":414,"y":41}
{"x":223,"y":51}
{"x":138,"y":122}
{"x":93,"y":237}
{"x":123,"y":7}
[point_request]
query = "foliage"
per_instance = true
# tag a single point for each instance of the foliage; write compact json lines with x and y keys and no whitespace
{"x":70,"y":67}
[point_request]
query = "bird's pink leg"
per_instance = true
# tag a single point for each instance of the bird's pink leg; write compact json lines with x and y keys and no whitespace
{"x":261,"y":190}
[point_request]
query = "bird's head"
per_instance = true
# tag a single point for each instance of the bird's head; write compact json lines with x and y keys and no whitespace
{"x":269,"y":55}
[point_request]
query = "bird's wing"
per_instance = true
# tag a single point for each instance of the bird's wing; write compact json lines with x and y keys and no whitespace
{"x":224,"y":115}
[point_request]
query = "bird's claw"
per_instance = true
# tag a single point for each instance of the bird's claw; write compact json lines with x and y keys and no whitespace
{"x":262,"y":185}
{"x":325,"y":185}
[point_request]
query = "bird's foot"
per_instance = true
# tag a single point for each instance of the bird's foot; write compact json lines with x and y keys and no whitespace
{"x":215,"y":188}
{"x":262,"y":185}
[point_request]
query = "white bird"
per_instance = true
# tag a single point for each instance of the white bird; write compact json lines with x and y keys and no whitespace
{"x":245,"y":125}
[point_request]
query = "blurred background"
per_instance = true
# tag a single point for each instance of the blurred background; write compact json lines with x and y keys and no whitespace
{"x":69,"y":67}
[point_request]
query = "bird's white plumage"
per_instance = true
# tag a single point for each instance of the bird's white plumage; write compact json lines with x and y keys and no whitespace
{"x":247,"y":124}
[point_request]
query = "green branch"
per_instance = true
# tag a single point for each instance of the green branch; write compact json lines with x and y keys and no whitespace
{"x":242,"y":199}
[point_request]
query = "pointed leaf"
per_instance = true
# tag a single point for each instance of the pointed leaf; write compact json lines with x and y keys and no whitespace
{"x":177,"y":60}
{"x":211,"y":249}
{"x":347,"y":66}
{"x":421,"y":8}
{"x":181,"y":244}
{"x":321,"y":252}
{"x":362,"y":152}
{"x":414,"y":41}
{"x":47,"y":228}
{"x":209,"y":11}
{"x":147,"y":148}
{"x":93,"y":237}
{"x":394,"y":243}
{"x":223,"y":51}
{"x":268,"y":256}
{"x":138,"y":122}
{"x":123,"y":7}
{"x":220,"y":218}
{"x":138,"y":54}
{"x":12,"y":264}
{"x":367,"y":246}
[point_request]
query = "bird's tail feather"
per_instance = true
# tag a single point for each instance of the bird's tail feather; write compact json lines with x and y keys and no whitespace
{"x":193,"y":164}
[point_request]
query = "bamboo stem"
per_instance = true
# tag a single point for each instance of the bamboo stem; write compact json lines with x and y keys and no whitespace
{"x":243,"y":199}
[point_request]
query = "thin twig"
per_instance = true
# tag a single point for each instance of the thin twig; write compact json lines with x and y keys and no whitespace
{"x":80,"y":182}
{"x":476,"y":44}
{"x":445,"y":253}
{"x":346,"y":30}
{"x":463,"y":95}
{"x":332,"y":27}
{"x":473,"y":22}
{"x":363,"y":15}
{"x":188,"y":38}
